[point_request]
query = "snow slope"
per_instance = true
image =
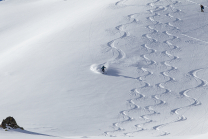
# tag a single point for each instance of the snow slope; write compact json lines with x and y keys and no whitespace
{"x":155,"y":52}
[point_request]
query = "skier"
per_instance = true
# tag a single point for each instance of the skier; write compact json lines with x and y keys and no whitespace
{"x":202,"y":8}
{"x":103,"y":68}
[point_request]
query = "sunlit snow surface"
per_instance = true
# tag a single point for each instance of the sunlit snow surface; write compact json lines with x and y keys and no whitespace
{"x":154,"y":51}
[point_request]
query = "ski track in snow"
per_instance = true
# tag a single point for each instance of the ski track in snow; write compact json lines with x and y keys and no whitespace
{"x":120,"y":2}
{"x":159,"y":85}
{"x":192,"y":73}
{"x":156,"y":11}
{"x":118,"y":54}
{"x":184,"y":93}
{"x":195,"y":2}
{"x":171,"y":79}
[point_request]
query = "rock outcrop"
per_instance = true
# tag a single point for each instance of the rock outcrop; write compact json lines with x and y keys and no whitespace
{"x":10,"y":123}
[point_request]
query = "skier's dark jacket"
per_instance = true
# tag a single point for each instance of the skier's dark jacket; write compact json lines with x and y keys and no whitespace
{"x":103,"y":67}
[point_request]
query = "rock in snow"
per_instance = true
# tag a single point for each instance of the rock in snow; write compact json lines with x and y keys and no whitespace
{"x":10,"y":123}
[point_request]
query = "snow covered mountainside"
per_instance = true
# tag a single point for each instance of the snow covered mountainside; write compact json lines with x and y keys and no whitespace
{"x":154,"y":51}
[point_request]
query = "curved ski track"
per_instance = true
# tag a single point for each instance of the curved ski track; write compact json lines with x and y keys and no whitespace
{"x":166,"y":63}
{"x":156,"y":11}
{"x":184,"y":93}
{"x":120,"y":2}
{"x":118,"y":54}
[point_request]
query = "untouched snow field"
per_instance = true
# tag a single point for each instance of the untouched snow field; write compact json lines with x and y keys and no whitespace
{"x":155,"y":51}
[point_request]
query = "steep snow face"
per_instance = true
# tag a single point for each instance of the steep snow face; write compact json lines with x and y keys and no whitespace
{"x":155,"y":56}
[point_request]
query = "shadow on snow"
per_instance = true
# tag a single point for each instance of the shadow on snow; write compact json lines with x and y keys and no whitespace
{"x":114,"y":72}
{"x":33,"y":133}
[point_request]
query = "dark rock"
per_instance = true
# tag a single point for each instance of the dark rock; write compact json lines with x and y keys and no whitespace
{"x":10,"y":122}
